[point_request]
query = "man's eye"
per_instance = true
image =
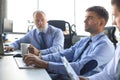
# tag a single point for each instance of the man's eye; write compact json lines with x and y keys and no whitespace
{"x":90,"y":18}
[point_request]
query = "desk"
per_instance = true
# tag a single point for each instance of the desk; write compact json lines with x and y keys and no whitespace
{"x":10,"y":71}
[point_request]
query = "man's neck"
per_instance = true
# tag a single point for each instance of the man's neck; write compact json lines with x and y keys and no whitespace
{"x":95,"y":33}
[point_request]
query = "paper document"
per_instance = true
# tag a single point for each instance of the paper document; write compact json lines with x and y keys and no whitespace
{"x":69,"y":69}
{"x":20,"y":63}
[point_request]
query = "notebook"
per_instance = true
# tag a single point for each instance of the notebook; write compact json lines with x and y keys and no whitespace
{"x":69,"y":69}
{"x":2,"y":52}
{"x":21,"y":65}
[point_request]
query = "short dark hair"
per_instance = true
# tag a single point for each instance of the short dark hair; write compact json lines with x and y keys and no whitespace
{"x":117,"y":3}
{"x":100,"y":11}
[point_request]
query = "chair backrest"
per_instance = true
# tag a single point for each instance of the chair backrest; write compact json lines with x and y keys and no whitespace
{"x":110,"y":32}
{"x":58,"y":23}
{"x":63,"y":25}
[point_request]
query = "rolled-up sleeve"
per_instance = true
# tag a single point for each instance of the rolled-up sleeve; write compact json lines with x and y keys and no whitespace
{"x":57,"y":68}
{"x":16,"y":44}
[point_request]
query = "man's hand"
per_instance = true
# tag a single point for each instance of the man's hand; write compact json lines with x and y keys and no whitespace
{"x":31,"y":59}
{"x":83,"y":78}
{"x":33,"y":50}
{"x":8,"y":48}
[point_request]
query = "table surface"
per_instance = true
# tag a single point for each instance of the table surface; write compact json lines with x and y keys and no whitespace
{"x":10,"y":71}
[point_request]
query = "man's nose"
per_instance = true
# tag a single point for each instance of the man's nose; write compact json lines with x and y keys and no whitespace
{"x":85,"y":21}
{"x":113,"y":23}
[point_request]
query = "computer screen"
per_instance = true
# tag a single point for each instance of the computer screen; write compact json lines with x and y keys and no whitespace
{"x":1,"y":45}
{"x":0,"y":18}
{"x":8,"y":26}
{"x":0,"y":27}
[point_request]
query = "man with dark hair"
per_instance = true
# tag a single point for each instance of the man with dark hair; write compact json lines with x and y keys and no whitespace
{"x":100,"y":11}
{"x":112,"y":70}
{"x":95,"y":47}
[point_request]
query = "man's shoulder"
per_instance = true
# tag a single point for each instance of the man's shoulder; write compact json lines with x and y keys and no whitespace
{"x":33,"y":31}
{"x":53,"y":28}
{"x":105,"y":39}
{"x":83,"y":39}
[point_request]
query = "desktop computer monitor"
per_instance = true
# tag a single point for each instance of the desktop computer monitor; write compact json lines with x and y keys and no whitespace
{"x":1,"y":45}
{"x":7,"y":26}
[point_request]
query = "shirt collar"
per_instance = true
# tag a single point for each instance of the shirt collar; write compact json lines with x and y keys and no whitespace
{"x":96,"y":37}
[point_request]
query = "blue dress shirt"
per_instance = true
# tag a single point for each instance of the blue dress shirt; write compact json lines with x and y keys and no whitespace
{"x":101,"y":49}
{"x":109,"y":71}
{"x":54,"y":40}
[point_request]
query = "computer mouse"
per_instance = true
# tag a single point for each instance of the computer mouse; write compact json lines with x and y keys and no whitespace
{"x":6,"y":45}
{"x":17,"y":55}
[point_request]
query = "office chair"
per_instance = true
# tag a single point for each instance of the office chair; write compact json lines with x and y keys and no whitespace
{"x":110,"y":32}
{"x":89,"y":66}
{"x":64,"y":26}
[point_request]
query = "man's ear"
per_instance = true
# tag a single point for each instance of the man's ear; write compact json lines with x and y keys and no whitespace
{"x":102,"y":22}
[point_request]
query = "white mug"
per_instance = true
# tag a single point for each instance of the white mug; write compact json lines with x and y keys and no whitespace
{"x":24,"y":48}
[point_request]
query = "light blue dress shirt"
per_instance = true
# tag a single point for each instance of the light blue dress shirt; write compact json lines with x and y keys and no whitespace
{"x":109,"y":71}
{"x":54,"y":40}
{"x":101,"y":49}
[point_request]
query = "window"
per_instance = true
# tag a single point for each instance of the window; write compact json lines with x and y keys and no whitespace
{"x":73,"y":11}
{"x":20,"y":11}
{"x":58,"y":9}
